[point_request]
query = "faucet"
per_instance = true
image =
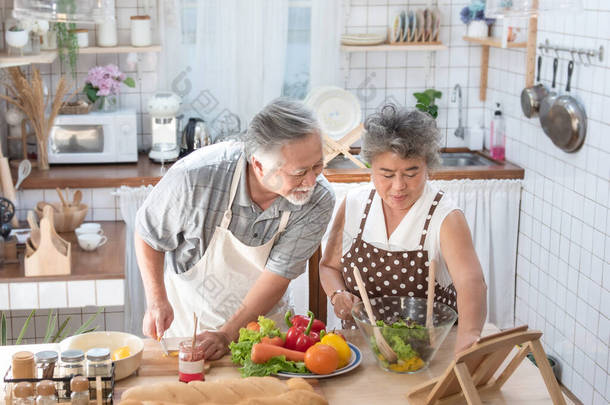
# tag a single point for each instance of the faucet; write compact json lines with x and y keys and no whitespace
{"x":457,"y":90}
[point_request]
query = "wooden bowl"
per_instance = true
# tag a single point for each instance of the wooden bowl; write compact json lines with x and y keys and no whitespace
{"x":65,"y":219}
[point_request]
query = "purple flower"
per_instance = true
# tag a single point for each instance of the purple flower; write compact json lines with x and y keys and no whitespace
{"x":465,"y":15}
{"x":105,"y":79}
{"x":479,"y":15}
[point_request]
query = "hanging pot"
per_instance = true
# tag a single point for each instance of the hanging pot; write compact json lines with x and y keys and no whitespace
{"x":532,"y":96}
{"x":547,"y":102}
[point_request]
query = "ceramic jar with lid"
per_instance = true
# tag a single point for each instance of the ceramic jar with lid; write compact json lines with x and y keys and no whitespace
{"x":82,"y":37}
{"x":24,"y":394}
{"x":23,"y":365}
{"x":106,"y":33}
{"x":141,"y":30}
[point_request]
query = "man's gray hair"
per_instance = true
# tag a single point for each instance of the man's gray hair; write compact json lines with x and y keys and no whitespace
{"x":281,"y":121}
{"x":407,"y":132}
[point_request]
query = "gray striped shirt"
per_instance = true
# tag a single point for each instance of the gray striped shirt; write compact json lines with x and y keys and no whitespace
{"x":182,"y":211}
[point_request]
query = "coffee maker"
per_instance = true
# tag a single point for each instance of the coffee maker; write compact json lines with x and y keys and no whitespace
{"x":163,"y":109}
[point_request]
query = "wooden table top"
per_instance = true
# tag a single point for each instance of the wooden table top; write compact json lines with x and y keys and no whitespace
{"x":369,"y":384}
{"x":106,"y":262}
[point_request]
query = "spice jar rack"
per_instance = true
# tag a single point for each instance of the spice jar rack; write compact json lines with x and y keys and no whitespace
{"x":62,"y":386}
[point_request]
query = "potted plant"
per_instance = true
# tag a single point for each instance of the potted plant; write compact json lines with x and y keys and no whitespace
{"x":473,"y":15}
{"x":16,"y":36}
{"x":425,"y":101}
{"x":103,"y":83}
{"x":67,"y":45}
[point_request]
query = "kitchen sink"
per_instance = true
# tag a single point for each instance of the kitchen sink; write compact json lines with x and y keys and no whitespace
{"x":460,"y":159}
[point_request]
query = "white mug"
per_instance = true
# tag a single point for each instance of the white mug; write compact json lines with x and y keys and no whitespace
{"x":89,"y":227}
{"x":91,"y":241}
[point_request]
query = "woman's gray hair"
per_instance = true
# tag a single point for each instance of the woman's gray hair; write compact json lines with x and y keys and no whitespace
{"x":407,"y":132}
{"x":281,"y":121}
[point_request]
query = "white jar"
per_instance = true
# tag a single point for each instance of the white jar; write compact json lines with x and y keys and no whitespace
{"x":106,"y":33}
{"x":82,"y":37}
{"x":140,"y":30}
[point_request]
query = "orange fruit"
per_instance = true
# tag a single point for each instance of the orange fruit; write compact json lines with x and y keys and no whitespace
{"x":321,"y":359}
{"x":121,"y":353}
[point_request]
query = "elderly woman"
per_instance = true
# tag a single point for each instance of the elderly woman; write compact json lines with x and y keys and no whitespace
{"x":401,"y":216}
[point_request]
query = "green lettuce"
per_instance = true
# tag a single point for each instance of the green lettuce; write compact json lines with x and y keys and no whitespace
{"x":273,"y":366}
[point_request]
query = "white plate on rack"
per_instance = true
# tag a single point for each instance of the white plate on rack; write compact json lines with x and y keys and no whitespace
{"x":354,"y":362}
{"x":338,"y":111}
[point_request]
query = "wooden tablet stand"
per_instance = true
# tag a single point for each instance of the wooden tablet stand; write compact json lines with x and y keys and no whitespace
{"x":333,"y":148}
{"x":470,"y":374}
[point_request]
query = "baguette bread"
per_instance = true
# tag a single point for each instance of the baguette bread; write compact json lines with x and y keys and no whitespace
{"x":247,"y":391}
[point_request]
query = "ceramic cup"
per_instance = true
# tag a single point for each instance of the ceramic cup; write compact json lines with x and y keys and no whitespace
{"x":91,"y":241}
{"x":89,"y":227}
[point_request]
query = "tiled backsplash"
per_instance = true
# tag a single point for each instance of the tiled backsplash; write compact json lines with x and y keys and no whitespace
{"x":563,"y":268}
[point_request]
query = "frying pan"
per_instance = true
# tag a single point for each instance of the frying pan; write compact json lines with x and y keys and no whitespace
{"x":532,"y":96}
{"x":547,"y":102}
{"x":568,"y":120}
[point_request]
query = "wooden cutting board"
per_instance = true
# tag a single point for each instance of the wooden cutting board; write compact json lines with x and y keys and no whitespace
{"x":156,"y":363}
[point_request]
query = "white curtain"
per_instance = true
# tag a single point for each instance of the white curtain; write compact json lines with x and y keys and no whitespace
{"x":491,"y":208}
{"x":225,"y":58}
{"x":130,"y":199}
{"x":326,"y":29}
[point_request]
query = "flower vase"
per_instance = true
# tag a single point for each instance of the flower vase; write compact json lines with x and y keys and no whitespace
{"x":477,"y":29}
{"x":108,"y":103}
{"x":42,"y":156}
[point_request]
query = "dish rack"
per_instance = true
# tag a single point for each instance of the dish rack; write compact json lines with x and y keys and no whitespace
{"x":62,"y":387}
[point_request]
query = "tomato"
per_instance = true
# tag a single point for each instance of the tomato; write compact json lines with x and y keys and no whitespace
{"x":340,"y":346}
{"x":321,"y":359}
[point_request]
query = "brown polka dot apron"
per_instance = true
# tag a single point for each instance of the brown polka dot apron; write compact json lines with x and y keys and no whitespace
{"x":386,"y":273}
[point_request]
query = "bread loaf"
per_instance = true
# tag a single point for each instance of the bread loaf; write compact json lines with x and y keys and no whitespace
{"x":247,"y":391}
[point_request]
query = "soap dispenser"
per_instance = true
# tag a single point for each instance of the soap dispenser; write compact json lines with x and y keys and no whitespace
{"x":497,"y":135}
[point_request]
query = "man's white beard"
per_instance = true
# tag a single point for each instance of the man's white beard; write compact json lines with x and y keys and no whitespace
{"x":300,"y":199}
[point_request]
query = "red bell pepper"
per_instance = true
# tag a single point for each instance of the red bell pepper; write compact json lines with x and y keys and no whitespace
{"x":302,"y":320}
{"x":298,"y":337}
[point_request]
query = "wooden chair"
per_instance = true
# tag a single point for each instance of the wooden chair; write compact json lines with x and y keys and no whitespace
{"x":317,"y":296}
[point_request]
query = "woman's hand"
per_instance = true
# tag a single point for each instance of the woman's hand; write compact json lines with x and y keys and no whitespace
{"x":465,"y":340}
{"x":343,"y":303}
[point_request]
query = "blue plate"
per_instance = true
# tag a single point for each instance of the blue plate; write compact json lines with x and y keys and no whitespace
{"x":354,"y":362}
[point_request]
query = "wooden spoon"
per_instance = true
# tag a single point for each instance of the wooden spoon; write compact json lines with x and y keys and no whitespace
{"x":78,"y":196}
{"x":384,"y":347}
{"x":61,"y":197}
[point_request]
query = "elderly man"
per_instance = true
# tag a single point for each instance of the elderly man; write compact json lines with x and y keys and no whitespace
{"x":234,"y":223}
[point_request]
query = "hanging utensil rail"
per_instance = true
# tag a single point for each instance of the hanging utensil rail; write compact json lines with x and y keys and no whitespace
{"x":589,"y":53}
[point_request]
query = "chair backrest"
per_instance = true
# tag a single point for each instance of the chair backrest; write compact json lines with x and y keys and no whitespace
{"x":317,"y":296}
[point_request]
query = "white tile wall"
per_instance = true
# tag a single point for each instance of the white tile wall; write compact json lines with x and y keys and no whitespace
{"x":563,"y":268}
{"x":380,"y":77}
{"x":81,"y":293}
{"x":23,"y":295}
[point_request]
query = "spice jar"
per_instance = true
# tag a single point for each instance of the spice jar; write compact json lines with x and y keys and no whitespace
{"x":24,"y":394}
{"x":98,"y":362}
{"x":80,"y":390}
{"x":106,"y":33}
{"x":82,"y":37}
{"x":72,"y":363}
{"x":190,"y":361}
{"x":140,"y":30}
{"x":46,"y":393}
{"x":45,"y":364}
{"x":23,"y":365}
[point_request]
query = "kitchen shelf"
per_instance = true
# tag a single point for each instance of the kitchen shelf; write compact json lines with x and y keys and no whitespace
{"x":437,"y":46}
{"x":494,"y":42}
{"x":50,"y":56}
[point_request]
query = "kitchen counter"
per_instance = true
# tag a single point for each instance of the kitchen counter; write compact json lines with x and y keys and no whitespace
{"x":147,"y":172}
{"x":106,"y":262}
{"x":368,"y":384}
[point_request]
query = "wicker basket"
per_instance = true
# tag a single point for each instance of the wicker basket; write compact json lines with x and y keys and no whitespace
{"x":78,"y":107}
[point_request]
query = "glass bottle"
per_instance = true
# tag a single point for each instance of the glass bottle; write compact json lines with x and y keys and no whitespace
{"x":190,"y":361}
{"x":80,"y":390}
{"x":72,"y":363}
{"x":45,"y":364}
{"x":497,"y":141}
{"x":98,"y":362}
{"x":24,"y":394}
{"x":46,"y":393}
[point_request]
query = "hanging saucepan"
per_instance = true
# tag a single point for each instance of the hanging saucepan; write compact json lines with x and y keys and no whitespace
{"x":532,"y":96}
{"x":547,"y":102}
{"x":568,"y":120}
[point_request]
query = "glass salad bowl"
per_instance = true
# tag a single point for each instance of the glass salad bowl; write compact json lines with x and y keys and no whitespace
{"x":401,"y":321}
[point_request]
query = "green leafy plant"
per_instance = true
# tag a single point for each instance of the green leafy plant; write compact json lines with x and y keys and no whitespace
{"x":425,"y":101}
{"x":15,"y":28}
{"x":53,"y":333}
{"x":67,"y":45}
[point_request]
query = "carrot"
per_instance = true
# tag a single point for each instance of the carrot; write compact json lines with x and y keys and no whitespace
{"x":253,"y":326}
{"x":262,"y":353}
{"x":276,"y":341}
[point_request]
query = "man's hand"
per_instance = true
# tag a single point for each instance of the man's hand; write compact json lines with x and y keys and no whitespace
{"x":343,"y":304}
{"x":159,"y":316}
{"x":215,"y":344}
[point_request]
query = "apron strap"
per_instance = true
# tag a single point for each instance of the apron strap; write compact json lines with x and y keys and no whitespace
{"x":437,"y":198}
{"x":226,"y":218}
{"x":283,"y":222}
{"x":365,"y":215}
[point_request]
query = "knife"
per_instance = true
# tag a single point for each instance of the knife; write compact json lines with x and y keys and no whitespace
{"x":164,"y":346}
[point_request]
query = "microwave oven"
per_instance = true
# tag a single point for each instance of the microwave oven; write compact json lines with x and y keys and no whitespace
{"x":97,"y":137}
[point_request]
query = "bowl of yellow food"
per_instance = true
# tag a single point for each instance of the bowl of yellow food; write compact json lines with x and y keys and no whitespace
{"x":125,"y":349}
{"x":402,"y":323}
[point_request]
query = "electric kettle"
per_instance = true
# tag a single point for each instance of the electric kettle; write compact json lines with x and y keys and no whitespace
{"x":194,"y":136}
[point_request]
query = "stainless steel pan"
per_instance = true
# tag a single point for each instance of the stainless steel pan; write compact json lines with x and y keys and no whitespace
{"x":568,"y":120}
{"x":547,"y":102}
{"x":532,"y":96}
